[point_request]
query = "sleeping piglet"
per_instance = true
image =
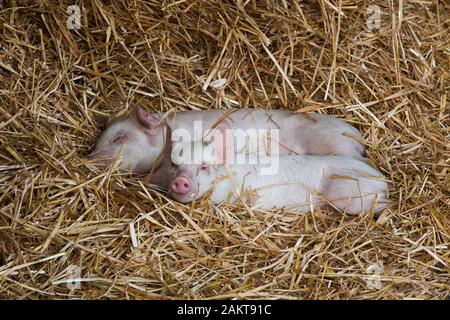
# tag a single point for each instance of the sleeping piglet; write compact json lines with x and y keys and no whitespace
{"x":299,"y":183}
{"x":141,"y":141}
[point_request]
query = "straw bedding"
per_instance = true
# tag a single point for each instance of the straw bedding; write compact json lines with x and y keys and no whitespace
{"x":60,"y":219}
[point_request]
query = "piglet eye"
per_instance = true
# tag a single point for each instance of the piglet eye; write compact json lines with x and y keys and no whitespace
{"x":119,"y":138}
{"x":203,"y":167}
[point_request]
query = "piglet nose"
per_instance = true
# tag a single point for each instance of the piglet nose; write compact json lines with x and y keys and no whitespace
{"x":180,"y":185}
{"x":98,"y":159}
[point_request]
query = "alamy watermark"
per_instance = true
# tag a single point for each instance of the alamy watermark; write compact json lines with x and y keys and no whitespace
{"x":374,"y":20}
{"x":373,"y":278}
{"x":227,"y":146}
{"x":73,"y":280}
{"x":74,"y":19}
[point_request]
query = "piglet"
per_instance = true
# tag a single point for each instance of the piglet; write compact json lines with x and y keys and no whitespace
{"x":296,"y":182}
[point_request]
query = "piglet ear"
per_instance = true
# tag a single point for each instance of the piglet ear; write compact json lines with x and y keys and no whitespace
{"x":150,"y":121}
{"x":146,"y":118}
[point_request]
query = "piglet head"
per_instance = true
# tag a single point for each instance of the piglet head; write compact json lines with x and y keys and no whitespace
{"x":194,"y":170}
{"x":190,"y":182}
{"x":135,"y":140}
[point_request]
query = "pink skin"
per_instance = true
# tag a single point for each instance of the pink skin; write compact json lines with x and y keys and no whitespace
{"x":339,"y":192}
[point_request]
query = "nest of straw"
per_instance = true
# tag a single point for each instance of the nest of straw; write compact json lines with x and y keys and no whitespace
{"x":60,"y":220}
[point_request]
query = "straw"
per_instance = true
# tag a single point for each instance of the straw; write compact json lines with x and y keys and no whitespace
{"x":68,"y":231}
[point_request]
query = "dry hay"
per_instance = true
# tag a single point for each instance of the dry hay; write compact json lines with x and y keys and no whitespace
{"x":133,"y":242}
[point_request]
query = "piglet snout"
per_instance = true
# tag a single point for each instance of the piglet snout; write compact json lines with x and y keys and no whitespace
{"x":99,"y":159}
{"x":181,"y":185}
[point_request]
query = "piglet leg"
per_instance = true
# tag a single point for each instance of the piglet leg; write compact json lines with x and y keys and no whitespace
{"x":354,"y":191}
